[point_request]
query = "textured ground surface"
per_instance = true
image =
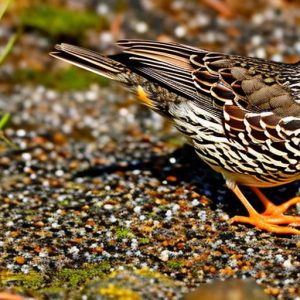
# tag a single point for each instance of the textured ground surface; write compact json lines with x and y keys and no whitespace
{"x":119,"y":198}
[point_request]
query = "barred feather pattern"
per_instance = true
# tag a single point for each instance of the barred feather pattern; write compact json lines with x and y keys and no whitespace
{"x":241,"y":114}
{"x":268,"y":163}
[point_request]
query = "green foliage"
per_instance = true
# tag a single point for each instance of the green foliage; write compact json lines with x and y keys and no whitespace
{"x":56,"y":21}
{"x":32,"y":280}
{"x":173,"y":264}
{"x":144,"y":241}
{"x":66,"y":277}
{"x":8,"y":47}
{"x":124,"y":233}
{"x":4,"y":7}
{"x":61,"y":80}
{"x":4,"y":120}
{"x":72,"y":278}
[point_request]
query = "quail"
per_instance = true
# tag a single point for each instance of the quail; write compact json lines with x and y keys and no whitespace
{"x":241,"y":114}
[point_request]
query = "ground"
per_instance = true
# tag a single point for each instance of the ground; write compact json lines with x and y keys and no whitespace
{"x":101,"y":197}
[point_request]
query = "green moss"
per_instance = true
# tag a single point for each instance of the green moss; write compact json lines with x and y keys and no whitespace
{"x":61,"y":80}
{"x":32,"y":280}
{"x":57,"y":21}
{"x":173,"y":264}
{"x":144,"y":241}
{"x":68,"y":279}
{"x":74,"y":277}
{"x":124,"y":233}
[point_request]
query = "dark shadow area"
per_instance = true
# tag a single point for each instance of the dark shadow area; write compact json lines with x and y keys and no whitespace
{"x":191,"y":170}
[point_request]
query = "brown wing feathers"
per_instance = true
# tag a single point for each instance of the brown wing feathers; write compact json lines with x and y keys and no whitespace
{"x":169,"y":65}
{"x":254,"y":85}
{"x":210,"y":79}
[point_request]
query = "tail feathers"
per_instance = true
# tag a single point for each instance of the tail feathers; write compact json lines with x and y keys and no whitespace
{"x":90,"y":60}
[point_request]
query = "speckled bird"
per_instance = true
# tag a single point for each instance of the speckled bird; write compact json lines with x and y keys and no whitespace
{"x":241,"y":114}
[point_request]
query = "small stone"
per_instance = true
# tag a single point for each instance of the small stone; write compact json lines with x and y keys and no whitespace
{"x":20,"y":260}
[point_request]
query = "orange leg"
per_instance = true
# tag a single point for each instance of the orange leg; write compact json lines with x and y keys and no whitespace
{"x":271,"y":218}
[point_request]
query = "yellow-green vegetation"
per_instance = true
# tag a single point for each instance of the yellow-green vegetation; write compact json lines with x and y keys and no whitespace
{"x":67,"y":278}
{"x":8,"y":47}
{"x":173,"y":264}
{"x":4,"y":120}
{"x":145,"y":272}
{"x":124,"y":233}
{"x":32,"y":280}
{"x":92,"y":279}
{"x":118,"y":293}
{"x":57,"y":21}
{"x":144,"y":241}
{"x":61,"y":80}
{"x":74,"y":277}
{"x":3,"y":7}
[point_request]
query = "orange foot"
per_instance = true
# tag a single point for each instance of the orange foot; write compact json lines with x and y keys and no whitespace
{"x":273,"y":215}
{"x":272,"y":209}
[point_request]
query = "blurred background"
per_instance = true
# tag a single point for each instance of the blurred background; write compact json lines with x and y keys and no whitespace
{"x":261,"y":28}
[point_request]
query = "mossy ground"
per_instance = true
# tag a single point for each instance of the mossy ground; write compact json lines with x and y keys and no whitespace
{"x":66,"y":280}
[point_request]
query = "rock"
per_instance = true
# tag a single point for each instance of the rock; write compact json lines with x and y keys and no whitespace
{"x":232,"y":289}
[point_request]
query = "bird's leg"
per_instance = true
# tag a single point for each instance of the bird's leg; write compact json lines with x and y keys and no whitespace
{"x":261,"y":221}
{"x":270,"y":208}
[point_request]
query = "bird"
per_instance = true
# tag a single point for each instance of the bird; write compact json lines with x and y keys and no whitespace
{"x":241,"y":114}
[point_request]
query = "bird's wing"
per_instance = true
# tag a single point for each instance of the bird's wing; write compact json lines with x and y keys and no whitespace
{"x":249,"y":93}
{"x":166,"y":63}
{"x":260,"y":127}
{"x":254,"y":85}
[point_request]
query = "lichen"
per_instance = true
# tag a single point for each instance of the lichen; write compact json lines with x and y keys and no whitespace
{"x":116,"y":292}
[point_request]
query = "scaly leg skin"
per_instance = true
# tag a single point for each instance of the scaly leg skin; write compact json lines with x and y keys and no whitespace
{"x":269,"y":220}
